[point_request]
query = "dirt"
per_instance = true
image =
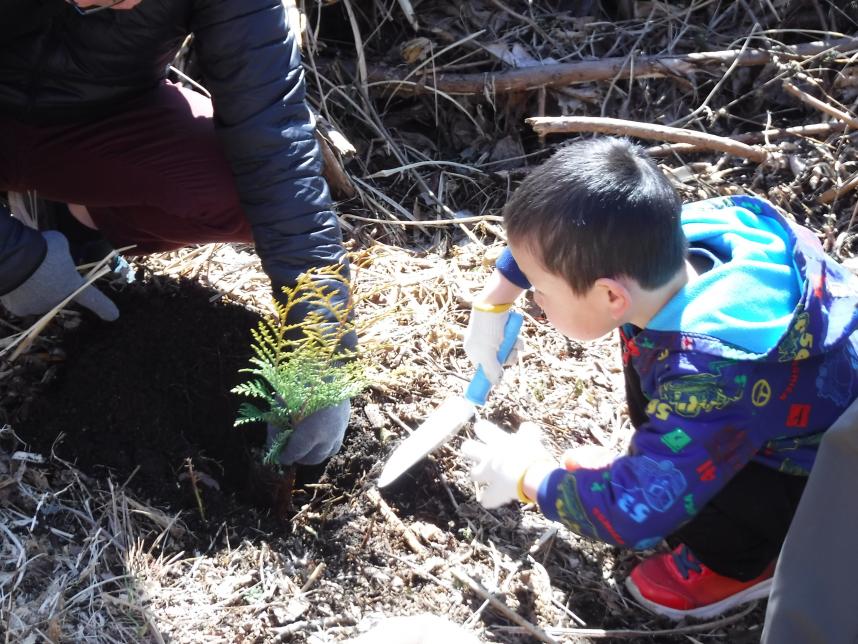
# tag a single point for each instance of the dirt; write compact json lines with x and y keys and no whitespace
{"x":140,"y":399}
{"x":146,"y":401}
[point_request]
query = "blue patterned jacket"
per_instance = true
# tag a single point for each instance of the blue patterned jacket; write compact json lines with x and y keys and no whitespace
{"x":753,"y":361}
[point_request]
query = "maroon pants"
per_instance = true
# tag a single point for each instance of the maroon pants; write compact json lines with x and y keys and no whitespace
{"x":154,"y":175}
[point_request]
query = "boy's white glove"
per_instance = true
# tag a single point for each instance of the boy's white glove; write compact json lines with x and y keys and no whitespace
{"x":502,"y":459}
{"x":484,"y":336}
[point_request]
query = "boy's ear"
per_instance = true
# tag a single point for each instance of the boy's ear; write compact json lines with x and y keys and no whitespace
{"x":617,"y":298}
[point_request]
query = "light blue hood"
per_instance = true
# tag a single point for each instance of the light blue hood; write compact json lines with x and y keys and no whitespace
{"x":756,"y":261}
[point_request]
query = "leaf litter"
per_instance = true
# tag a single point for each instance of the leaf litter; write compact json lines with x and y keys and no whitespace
{"x":87,"y":557}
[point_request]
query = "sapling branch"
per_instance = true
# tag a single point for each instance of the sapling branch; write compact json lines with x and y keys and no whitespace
{"x":301,"y":366}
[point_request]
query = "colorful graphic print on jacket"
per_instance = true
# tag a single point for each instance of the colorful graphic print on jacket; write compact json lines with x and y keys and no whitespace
{"x":753,"y":362}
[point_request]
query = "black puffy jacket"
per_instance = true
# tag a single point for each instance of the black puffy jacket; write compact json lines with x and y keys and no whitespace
{"x":57,"y":66}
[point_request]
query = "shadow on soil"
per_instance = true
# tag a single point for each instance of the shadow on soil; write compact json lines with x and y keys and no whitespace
{"x":146,"y":398}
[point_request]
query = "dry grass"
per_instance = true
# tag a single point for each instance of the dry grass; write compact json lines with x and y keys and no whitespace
{"x":70,"y":547}
{"x":85,"y":561}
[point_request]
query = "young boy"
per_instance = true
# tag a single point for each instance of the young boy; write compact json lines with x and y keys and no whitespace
{"x":739,"y":349}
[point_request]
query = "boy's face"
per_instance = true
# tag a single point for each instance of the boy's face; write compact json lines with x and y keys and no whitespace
{"x":580,"y":317}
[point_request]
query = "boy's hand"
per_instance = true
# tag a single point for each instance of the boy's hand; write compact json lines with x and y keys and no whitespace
{"x":588,"y":457}
{"x":53,"y":281}
{"x":484,"y":336}
{"x":501,"y":461}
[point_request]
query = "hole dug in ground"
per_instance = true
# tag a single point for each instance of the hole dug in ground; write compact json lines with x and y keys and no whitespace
{"x":147,"y":399}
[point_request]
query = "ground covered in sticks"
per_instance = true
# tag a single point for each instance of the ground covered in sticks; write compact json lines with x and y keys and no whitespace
{"x":131,"y":509}
{"x":133,"y":506}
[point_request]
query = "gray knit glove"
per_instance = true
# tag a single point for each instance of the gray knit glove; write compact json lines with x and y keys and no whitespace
{"x":317,"y":437}
{"x":53,"y":281}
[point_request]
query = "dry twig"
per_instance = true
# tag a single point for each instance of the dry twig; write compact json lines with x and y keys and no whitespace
{"x":835,"y":193}
{"x":502,"y":608}
{"x":390,"y":516}
{"x":561,"y":74}
{"x":704,"y":627}
{"x":822,"y":106}
{"x":813,"y":130}
{"x":566,"y":124}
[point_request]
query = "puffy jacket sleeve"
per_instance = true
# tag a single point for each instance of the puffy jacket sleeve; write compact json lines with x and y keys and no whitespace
{"x":252,"y":66}
{"x":22,"y":249}
{"x":701,"y":430}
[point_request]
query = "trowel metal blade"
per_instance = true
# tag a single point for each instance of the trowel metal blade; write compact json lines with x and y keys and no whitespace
{"x":438,"y":427}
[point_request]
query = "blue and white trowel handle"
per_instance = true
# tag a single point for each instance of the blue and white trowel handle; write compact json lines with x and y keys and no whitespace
{"x":449,"y":417}
{"x":478,"y":389}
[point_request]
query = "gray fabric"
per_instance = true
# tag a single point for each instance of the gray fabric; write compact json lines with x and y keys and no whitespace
{"x":813,"y":596}
{"x":54,"y":280}
{"x":317,"y":437}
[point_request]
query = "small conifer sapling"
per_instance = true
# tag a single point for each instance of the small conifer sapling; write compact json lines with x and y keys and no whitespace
{"x":301,"y":366}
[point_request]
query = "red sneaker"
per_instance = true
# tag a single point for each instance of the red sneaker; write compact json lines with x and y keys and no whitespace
{"x":678,"y":585}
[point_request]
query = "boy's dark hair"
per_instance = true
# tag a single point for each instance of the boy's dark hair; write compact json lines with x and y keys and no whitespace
{"x":600,"y":208}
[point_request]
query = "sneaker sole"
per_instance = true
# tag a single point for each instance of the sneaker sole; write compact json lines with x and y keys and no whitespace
{"x":757,"y":591}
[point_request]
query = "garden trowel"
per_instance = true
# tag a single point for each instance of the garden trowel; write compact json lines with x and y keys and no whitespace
{"x":446,"y":420}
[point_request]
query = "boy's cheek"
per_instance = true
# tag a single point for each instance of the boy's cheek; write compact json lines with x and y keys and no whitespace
{"x":573,"y":329}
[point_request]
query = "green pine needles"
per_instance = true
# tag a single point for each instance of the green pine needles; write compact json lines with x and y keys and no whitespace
{"x":300,"y":367}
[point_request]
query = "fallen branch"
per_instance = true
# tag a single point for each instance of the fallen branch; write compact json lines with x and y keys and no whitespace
{"x":822,"y":106}
{"x":560,"y":74}
{"x":566,"y":124}
{"x":814,"y":130}
{"x":390,"y":516}
{"x":502,"y":608}
{"x":599,"y":633}
{"x":835,"y":193}
{"x":285,"y":633}
{"x":427,"y":222}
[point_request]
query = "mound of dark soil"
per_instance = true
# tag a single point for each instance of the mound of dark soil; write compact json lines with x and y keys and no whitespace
{"x":147,"y":398}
